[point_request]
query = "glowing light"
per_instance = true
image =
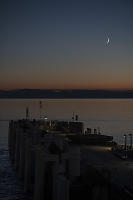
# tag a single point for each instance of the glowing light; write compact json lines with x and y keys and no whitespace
{"x":108,"y":41}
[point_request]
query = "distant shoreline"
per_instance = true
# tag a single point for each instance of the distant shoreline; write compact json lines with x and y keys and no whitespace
{"x":65,"y":94}
{"x":14,"y":98}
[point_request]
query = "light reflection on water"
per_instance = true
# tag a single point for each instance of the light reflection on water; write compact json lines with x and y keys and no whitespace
{"x":10,"y":187}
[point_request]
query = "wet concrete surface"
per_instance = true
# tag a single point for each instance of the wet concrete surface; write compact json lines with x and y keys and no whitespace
{"x":121,"y":171}
{"x":11,"y":188}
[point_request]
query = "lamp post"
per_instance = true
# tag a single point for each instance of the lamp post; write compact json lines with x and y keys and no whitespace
{"x":40,"y":103}
{"x":130,"y":140}
{"x":125,"y":137}
{"x":27,"y":113}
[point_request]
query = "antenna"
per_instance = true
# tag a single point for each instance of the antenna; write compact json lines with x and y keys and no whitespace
{"x":27,"y":113}
{"x":40,"y":103}
{"x":73,"y":117}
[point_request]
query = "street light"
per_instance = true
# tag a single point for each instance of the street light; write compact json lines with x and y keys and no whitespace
{"x":130,"y":140}
{"x":125,"y":137}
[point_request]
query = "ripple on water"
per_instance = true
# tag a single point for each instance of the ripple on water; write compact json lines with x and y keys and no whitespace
{"x":10,"y":186}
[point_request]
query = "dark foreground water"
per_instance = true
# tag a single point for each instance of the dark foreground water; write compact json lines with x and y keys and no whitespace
{"x":11,"y":187}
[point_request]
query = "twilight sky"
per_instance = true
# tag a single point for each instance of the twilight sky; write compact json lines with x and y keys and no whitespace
{"x":62,"y":44}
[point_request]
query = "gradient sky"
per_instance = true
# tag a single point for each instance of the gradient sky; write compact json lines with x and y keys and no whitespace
{"x":62,"y":44}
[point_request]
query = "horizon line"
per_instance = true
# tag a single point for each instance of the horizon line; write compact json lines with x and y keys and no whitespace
{"x":57,"y":89}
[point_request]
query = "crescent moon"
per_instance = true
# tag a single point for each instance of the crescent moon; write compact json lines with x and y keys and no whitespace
{"x":108,"y":41}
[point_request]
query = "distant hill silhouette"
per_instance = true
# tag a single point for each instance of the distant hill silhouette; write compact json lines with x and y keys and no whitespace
{"x":37,"y":93}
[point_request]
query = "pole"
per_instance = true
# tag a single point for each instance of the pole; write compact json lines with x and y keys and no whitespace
{"x":40,"y":109}
{"x":27,"y":113}
{"x":125,"y":136}
{"x":130,"y":140}
{"x":73,"y":117}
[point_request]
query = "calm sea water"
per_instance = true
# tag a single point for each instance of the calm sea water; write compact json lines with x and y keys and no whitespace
{"x":112,"y":116}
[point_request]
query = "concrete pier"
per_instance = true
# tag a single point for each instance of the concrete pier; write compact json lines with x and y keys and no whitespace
{"x":22,"y":154}
{"x":46,"y":163}
{"x":28,"y":165}
{"x":49,"y":164}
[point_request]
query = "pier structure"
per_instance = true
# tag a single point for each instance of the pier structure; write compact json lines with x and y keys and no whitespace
{"x":46,"y":163}
{"x":53,"y":167}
